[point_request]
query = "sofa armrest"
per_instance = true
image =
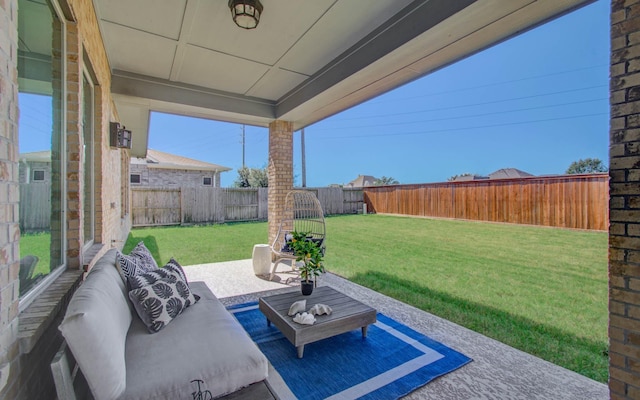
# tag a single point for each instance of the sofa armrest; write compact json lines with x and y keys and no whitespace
{"x":64,"y":370}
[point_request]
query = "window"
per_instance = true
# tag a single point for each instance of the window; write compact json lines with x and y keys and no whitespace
{"x":41,"y":97}
{"x":135,"y":178}
{"x":206,"y":181}
{"x":38,"y":175}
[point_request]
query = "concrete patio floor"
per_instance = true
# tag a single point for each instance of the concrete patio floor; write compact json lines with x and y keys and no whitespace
{"x":496,"y":372}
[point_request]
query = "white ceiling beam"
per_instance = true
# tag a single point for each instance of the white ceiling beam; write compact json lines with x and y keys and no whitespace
{"x":135,"y":85}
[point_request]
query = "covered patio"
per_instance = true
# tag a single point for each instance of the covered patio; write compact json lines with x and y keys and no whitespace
{"x":496,"y":372}
{"x":305,"y":61}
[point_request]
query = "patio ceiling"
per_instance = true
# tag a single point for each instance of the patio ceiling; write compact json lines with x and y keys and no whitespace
{"x":305,"y":61}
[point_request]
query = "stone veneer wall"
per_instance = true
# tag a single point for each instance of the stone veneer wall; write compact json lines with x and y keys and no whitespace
{"x":29,"y":340}
{"x":280,"y":171}
{"x":624,"y":203}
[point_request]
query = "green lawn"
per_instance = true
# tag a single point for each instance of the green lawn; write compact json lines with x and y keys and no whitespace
{"x":37,"y":244}
{"x":541,"y":290}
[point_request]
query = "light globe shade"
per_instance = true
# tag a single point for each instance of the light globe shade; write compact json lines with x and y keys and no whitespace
{"x":246,"y":13}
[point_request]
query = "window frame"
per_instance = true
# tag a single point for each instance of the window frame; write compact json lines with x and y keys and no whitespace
{"x":131,"y":175}
{"x":33,"y":175}
{"x":204,"y":181}
{"x":29,"y":297}
{"x":90,"y":152}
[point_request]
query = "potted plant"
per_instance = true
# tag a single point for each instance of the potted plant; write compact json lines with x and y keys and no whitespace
{"x":310,"y":254}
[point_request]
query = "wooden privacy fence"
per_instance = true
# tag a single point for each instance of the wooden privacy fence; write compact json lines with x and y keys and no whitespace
{"x":175,"y":206}
{"x":566,"y":201}
{"x":35,"y":206}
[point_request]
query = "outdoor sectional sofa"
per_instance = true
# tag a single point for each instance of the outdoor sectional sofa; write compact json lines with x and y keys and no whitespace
{"x":203,"y":350}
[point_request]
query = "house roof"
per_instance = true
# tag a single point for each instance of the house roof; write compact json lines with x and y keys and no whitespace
{"x":469,"y":177}
{"x":35,"y":156}
{"x":305,"y":61}
{"x":160,"y":159}
{"x":506,"y":173}
{"x":362,"y":181}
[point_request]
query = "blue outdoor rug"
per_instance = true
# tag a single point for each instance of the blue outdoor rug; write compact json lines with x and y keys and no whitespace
{"x":390,"y":362}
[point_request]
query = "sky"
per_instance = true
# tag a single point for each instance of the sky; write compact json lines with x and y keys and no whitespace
{"x":536,"y":102}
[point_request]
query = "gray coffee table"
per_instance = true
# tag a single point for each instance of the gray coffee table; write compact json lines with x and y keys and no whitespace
{"x":348,"y":314}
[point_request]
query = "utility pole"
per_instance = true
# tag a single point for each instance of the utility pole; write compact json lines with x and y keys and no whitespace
{"x":242,"y":145}
{"x":304,"y":163}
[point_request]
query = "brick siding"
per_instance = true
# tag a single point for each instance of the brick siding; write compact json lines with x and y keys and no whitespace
{"x":624,"y":203}
{"x":9,"y":196}
{"x":172,"y":177}
{"x":29,"y":340}
{"x":280,"y":171}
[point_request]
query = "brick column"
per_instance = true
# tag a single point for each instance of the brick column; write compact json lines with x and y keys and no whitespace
{"x":624,"y":202}
{"x":75,"y":181}
{"x":9,"y":197}
{"x":280,"y":171}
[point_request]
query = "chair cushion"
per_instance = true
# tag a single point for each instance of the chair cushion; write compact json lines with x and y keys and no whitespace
{"x":95,"y":327}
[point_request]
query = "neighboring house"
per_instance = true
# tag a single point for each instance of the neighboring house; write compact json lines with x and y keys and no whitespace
{"x":464,"y":178}
{"x":506,"y":173}
{"x":163,"y":169}
{"x":503,"y":173}
{"x":361,"y":181}
{"x":34,"y":167}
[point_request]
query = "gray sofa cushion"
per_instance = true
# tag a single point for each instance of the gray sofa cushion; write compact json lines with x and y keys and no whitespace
{"x":95,"y":328}
{"x":204,"y":343}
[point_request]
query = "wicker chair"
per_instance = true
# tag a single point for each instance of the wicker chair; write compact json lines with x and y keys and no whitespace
{"x":302,"y":213}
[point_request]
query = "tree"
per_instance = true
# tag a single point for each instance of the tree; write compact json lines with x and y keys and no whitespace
{"x":258,"y":177}
{"x":243,"y":178}
{"x":385,"y":180}
{"x":586,"y":166}
{"x":252,"y":177}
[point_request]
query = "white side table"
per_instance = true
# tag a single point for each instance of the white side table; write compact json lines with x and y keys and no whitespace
{"x":261,"y":259}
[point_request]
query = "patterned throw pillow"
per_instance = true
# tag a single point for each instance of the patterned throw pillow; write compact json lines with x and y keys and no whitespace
{"x":160,"y":302}
{"x":172,"y":271}
{"x":137,"y":262}
{"x":151,"y":277}
{"x":141,"y":252}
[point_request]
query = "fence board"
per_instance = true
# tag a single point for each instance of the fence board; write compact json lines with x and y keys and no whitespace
{"x":566,"y":201}
{"x":202,"y":204}
{"x":241,"y":204}
{"x":156,"y":206}
{"x":35,"y":207}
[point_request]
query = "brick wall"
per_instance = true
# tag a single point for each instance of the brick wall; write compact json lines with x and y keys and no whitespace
{"x":172,"y":177}
{"x":24,"y":356}
{"x":74,"y":174}
{"x":280,"y":171}
{"x":9,"y":193}
{"x":624,"y":203}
